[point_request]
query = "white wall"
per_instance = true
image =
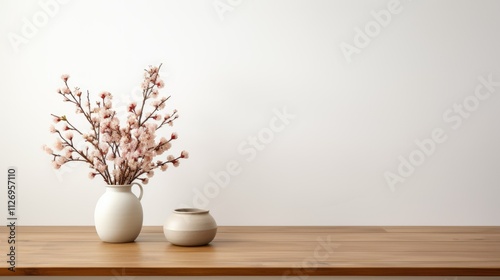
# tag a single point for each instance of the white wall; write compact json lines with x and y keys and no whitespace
{"x":228,"y":73}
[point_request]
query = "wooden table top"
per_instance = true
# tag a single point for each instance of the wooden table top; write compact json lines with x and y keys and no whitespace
{"x":250,"y":251}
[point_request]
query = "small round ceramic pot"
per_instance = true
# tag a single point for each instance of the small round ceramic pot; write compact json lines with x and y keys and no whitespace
{"x":190,"y":227}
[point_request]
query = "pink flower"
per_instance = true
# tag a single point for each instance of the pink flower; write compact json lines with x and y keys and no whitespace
{"x":184,"y":154}
{"x":65,"y":77}
{"x":119,"y":161}
{"x":154,"y":93}
{"x":108,"y":104}
{"x":153,"y":69}
{"x":92,"y":175}
{"x":60,"y":160}
{"x":56,"y":165}
{"x":104,"y":94}
{"x":115,"y":124}
{"x":174,"y":135}
{"x":104,"y":147}
{"x":170,"y":158}
{"x":160,"y":83}
{"x":69,"y":135}
{"x":163,"y":167}
{"x":66,"y":90}
{"x":136,"y":154}
{"x":58,"y":145}
{"x":52,"y":129}
{"x":101,"y":167}
{"x":110,"y":157}
{"x":132,"y":120}
{"x":132,"y":106}
{"x":145,"y":180}
{"x":106,"y":137}
{"x":162,"y":106}
{"x":104,"y":113}
{"x":151,"y":127}
{"x":151,"y":174}
{"x":48,"y":150}
{"x":135,"y":132}
{"x":167,"y":146}
{"x":132,"y":165}
{"x":95,"y":119}
{"x":57,"y":119}
{"x":175,"y":163}
{"x":95,"y":156}
{"x":68,"y":153}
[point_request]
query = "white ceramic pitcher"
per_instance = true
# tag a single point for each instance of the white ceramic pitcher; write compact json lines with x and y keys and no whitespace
{"x":118,"y":214}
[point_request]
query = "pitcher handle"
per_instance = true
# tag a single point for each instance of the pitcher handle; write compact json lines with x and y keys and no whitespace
{"x":140,"y":188}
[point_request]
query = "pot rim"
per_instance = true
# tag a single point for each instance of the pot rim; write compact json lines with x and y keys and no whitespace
{"x":190,"y":211}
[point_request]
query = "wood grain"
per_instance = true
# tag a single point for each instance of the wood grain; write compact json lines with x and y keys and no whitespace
{"x":251,"y":251}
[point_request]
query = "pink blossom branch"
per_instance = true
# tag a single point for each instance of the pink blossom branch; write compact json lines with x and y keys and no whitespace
{"x":72,"y":127}
{"x":118,"y":154}
{"x":156,"y":109}
{"x":74,"y":149}
{"x":153,"y":73}
{"x":173,"y":161}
